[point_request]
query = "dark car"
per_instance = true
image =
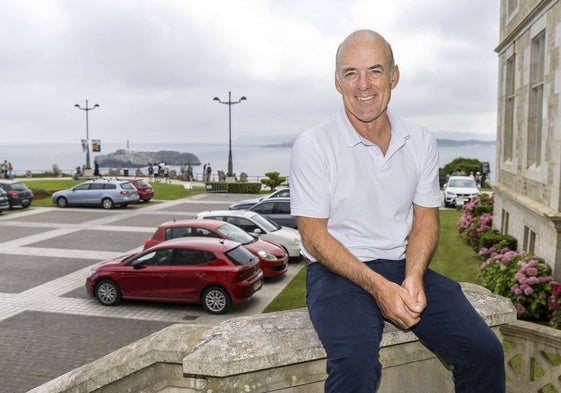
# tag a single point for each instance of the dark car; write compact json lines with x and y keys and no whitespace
{"x":216,"y":273}
{"x":278,"y":210}
{"x":4,"y":204}
{"x":247,"y":203}
{"x":272,"y":257}
{"x":18,"y":193}
{"x":145,"y":190}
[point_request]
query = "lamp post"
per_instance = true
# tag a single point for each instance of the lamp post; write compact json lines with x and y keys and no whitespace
{"x":230,"y":103}
{"x":87,"y":109}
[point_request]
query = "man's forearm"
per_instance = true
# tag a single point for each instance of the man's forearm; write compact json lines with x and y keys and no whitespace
{"x":422,"y":241}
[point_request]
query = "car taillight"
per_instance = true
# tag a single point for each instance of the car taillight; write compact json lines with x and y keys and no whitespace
{"x":12,"y":193}
{"x":123,"y":192}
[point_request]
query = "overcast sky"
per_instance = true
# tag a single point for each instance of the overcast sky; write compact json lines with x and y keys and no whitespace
{"x":155,"y":66}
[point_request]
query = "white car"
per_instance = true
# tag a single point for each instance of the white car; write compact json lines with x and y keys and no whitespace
{"x":256,"y":224}
{"x":458,"y":190}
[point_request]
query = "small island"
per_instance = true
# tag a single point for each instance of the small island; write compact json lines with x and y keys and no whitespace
{"x":129,"y":158}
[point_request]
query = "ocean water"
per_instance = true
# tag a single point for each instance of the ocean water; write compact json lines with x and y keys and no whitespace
{"x":255,"y":160}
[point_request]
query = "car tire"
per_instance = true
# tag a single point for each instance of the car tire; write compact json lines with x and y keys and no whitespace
{"x":216,"y":300}
{"x":108,"y":293}
{"x":107,"y":203}
{"x":62,"y":202}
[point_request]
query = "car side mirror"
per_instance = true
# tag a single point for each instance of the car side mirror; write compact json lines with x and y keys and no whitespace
{"x":257,"y":231}
{"x":138,"y":265}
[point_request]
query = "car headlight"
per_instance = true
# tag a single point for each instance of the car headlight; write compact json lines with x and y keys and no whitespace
{"x":266,"y":256}
{"x":450,"y":194}
{"x":91,"y":272}
{"x":297,"y":242}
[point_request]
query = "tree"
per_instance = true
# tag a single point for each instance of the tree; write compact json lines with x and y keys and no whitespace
{"x":460,"y":164}
{"x":274,"y":180}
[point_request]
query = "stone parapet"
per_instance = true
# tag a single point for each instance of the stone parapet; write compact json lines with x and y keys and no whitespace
{"x":276,"y":352}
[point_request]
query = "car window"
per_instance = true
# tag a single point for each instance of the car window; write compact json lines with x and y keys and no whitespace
{"x":281,"y":208}
{"x":174,"y":233}
{"x":142,"y":183}
{"x":266,"y":223}
{"x":465,"y":183}
{"x":127,"y":186}
{"x":240,"y":256}
{"x":242,"y":223}
{"x":284,"y":193}
{"x":19,"y":187}
{"x":235,"y":233}
{"x":110,"y":186}
{"x":155,"y":258}
{"x":96,"y":186}
{"x":81,"y":187}
{"x":264,"y":208}
{"x":186,"y":257}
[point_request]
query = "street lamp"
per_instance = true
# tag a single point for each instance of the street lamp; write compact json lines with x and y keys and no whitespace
{"x":87,"y":109}
{"x":229,"y":103}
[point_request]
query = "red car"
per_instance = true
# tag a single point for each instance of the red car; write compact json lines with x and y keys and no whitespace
{"x":272,"y":257}
{"x":145,"y":190}
{"x":216,"y":273}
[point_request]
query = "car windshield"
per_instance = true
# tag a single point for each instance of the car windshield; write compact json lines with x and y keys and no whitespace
{"x":235,"y":233}
{"x":127,"y":186}
{"x":142,"y":183}
{"x":19,"y":187}
{"x":465,"y":183}
{"x":266,"y":223}
{"x":240,"y":256}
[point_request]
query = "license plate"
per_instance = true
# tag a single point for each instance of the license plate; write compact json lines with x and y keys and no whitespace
{"x":257,"y":285}
{"x":25,"y":201}
{"x":460,"y":201}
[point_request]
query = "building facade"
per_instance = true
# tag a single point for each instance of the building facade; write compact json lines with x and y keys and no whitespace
{"x":528,"y":182}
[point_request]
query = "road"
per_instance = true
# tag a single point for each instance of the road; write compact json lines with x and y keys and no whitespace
{"x":48,"y":325}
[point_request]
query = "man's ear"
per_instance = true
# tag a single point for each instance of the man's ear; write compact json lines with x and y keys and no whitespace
{"x":395,"y":76}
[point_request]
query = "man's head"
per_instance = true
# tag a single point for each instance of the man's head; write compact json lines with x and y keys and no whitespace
{"x":365,"y":75}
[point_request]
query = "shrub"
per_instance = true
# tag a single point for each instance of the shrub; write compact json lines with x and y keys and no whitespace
{"x":477,"y":219}
{"x":554,"y":302}
{"x":521,"y":277}
{"x":494,"y":238}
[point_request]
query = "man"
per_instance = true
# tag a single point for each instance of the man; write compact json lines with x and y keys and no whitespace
{"x":364,"y":188}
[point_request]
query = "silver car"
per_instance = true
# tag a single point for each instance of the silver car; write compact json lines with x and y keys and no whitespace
{"x":262,"y":227}
{"x":4,"y":203}
{"x":104,"y":193}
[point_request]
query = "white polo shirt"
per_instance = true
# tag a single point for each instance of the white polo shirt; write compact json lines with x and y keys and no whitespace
{"x":366,"y":196}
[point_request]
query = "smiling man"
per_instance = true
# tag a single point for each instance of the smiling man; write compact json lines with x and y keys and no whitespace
{"x":365,"y":189}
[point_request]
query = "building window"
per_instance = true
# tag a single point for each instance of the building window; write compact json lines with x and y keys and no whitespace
{"x":509,"y":110}
{"x":529,"y":240}
{"x":512,"y":7}
{"x":505,"y":218}
{"x":535,"y":117}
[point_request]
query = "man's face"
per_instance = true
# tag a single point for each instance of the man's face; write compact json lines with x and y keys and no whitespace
{"x":365,"y":78}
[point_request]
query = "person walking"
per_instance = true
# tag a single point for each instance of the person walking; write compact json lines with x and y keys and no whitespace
{"x":369,"y":238}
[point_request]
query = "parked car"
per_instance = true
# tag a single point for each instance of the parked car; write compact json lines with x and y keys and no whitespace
{"x":260,"y":226}
{"x":101,"y":192}
{"x":4,"y":204}
{"x":458,"y":190}
{"x":278,"y":210}
{"x":144,"y":189}
{"x":216,"y":273}
{"x":247,"y":203}
{"x":272,"y":257}
{"x":18,"y":193}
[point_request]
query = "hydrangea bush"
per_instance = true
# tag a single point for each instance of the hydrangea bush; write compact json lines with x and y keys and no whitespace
{"x":477,"y":218}
{"x":522,"y":277}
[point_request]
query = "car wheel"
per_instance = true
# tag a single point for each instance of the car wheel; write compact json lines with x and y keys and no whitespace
{"x":61,"y":202}
{"x":108,"y":293}
{"x":216,"y":300}
{"x":107,"y":203}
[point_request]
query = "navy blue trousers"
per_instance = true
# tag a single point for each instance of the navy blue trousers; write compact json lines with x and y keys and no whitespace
{"x":349,"y":325}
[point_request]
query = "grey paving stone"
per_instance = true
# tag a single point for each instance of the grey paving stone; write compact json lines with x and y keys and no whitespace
{"x":95,"y":240}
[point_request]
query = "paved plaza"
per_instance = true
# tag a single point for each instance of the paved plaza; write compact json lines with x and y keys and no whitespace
{"x":48,"y":324}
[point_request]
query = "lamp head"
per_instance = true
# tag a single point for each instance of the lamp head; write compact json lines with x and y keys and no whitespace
{"x":216,"y":99}
{"x":96,"y":106}
{"x":76,"y":105}
{"x":243,"y":99}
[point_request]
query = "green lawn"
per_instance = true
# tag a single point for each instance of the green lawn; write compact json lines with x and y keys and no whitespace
{"x":453,"y":258}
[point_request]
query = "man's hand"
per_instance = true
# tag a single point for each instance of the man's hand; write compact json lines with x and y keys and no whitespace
{"x":402,"y":305}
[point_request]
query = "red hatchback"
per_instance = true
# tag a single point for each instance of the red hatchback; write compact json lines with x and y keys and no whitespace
{"x":216,"y":273}
{"x":145,"y":190}
{"x":272,"y":257}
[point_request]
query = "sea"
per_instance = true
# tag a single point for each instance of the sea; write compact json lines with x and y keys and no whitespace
{"x":253,"y":159}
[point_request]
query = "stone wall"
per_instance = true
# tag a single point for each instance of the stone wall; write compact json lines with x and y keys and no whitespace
{"x":276,"y":352}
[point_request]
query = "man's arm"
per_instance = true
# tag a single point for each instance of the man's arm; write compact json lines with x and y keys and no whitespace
{"x":395,"y":302}
{"x":421,"y":245}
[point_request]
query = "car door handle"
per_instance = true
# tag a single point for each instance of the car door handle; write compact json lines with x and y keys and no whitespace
{"x":201,"y":274}
{"x":163,"y":274}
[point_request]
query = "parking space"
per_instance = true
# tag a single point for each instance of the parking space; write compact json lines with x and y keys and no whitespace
{"x":48,"y":324}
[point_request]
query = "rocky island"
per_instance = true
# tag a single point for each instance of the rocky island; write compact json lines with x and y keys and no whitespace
{"x":129,"y":158}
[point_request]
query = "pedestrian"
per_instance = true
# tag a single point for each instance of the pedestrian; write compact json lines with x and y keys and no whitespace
{"x":96,"y":169}
{"x":150,"y":172}
{"x":368,"y":238}
{"x":204,"y":173}
{"x":208,"y":172}
{"x":10,"y":170}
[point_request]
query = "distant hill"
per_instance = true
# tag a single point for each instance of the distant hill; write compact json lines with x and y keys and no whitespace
{"x":128,"y":158}
{"x":440,"y":142}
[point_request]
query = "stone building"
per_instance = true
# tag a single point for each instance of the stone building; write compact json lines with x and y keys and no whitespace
{"x":528,"y":184}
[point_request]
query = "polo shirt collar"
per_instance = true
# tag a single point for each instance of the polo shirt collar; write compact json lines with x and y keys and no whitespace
{"x":352,"y":138}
